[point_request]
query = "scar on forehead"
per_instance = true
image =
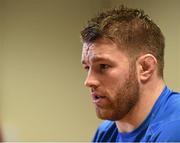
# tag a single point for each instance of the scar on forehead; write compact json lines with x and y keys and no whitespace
{"x":87,"y":48}
{"x":87,"y":51}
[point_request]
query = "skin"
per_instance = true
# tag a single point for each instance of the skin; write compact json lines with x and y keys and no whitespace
{"x":119,"y":88}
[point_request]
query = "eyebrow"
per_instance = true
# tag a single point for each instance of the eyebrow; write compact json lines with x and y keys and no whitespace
{"x":97,"y":59}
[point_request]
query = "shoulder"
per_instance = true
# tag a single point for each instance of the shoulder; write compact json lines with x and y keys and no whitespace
{"x":169,"y":107}
{"x":172,"y":108}
{"x":167,"y":126}
{"x":174,"y":95}
{"x":167,"y":132}
{"x":107,"y":131}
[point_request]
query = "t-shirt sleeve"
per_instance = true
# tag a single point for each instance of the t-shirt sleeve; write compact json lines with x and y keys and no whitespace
{"x":106,"y":132}
{"x":100,"y":132}
{"x":97,"y":136}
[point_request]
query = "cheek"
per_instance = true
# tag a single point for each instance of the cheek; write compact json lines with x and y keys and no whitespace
{"x":112,"y":84}
{"x":117,"y":78}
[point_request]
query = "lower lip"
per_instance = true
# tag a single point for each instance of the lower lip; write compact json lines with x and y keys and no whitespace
{"x":99,"y":100}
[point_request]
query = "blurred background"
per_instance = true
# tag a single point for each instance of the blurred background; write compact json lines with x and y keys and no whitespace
{"x":42,"y":97}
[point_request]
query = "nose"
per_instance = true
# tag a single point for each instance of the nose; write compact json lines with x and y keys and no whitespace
{"x":91,"y":81}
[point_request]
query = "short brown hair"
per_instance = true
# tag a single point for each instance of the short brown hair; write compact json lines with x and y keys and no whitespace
{"x":130,"y":28}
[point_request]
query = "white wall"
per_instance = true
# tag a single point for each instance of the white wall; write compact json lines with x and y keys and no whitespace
{"x":43,"y":97}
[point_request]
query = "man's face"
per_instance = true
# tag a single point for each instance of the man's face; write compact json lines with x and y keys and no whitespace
{"x":111,"y":78}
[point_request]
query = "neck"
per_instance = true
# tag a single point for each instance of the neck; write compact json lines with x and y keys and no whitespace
{"x":147,"y":97}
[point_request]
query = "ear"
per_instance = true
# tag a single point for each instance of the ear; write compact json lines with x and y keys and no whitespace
{"x":146,"y":66}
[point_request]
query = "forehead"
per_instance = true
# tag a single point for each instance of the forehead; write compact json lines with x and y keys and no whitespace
{"x":101,"y":50}
{"x":95,"y":49}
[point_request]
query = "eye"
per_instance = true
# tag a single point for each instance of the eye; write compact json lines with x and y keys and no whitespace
{"x":104,"y":67}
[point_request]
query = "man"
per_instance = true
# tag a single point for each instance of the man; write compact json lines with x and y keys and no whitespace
{"x":123,"y":54}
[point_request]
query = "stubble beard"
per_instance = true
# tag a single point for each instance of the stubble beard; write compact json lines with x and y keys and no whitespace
{"x":126,"y":98}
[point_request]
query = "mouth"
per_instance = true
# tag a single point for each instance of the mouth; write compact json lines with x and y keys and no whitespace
{"x":97,"y":98}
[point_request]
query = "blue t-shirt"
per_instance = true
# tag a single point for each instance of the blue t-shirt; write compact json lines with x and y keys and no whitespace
{"x":161,"y":125}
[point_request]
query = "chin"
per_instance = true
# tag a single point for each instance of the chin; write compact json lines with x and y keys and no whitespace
{"x":111,"y":118}
{"x":105,"y":115}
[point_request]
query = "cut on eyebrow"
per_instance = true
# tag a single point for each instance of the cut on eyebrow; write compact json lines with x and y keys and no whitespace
{"x":83,"y":62}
